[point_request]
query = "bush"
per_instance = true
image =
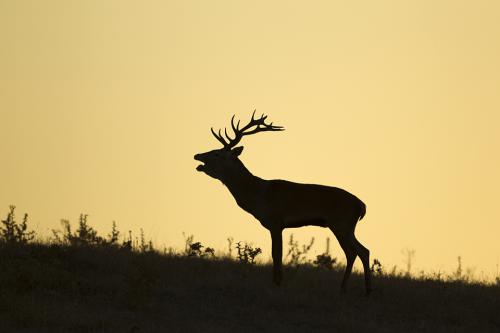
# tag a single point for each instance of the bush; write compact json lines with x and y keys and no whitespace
{"x":194,"y":249}
{"x":246,"y":253}
{"x":296,"y":254}
{"x":376,"y":267}
{"x":85,"y":235}
{"x":325,"y":261}
{"x":13,"y":232}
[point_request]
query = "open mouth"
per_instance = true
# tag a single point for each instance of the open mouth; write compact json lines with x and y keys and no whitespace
{"x":200,"y":167}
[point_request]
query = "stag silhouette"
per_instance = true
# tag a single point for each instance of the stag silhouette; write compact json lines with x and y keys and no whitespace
{"x":278,"y":204}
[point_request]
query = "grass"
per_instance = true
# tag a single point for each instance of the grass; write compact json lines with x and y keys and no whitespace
{"x":80,"y":282}
{"x":58,"y":288}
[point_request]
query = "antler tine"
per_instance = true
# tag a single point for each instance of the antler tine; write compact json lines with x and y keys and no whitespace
{"x":219,"y":137}
{"x":235,"y":129}
{"x":227,"y":136}
{"x":264,"y":129}
{"x":277,"y":128}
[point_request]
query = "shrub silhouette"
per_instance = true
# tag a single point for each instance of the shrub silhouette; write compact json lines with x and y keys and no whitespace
{"x":246,"y":253}
{"x":325,"y":261}
{"x":194,"y":249}
{"x":87,"y":236}
{"x":376,"y":267}
{"x":13,"y":232}
{"x":297,"y":254}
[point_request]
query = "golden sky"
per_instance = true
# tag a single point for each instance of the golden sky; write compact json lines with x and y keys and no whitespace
{"x":104,"y":103}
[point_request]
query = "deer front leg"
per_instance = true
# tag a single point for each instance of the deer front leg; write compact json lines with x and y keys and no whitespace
{"x":277,"y":240}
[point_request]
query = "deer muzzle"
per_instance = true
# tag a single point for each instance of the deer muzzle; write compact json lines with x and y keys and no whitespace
{"x":201,"y":166}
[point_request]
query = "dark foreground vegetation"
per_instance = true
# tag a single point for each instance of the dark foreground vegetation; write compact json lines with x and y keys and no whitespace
{"x":80,"y":282}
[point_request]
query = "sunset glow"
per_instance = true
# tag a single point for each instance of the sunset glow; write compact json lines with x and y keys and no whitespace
{"x":104,"y":103}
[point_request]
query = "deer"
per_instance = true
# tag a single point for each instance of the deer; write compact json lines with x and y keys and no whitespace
{"x":279,"y":204}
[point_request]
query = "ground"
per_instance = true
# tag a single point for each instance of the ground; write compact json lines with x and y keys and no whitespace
{"x":56,"y":288}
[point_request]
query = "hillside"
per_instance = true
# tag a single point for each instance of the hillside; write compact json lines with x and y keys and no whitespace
{"x":60,"y":288}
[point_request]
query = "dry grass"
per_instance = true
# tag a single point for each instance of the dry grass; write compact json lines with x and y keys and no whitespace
{"x":62,"y":288}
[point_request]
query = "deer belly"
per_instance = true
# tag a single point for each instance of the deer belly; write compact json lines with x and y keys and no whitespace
{"x":304,"y":221}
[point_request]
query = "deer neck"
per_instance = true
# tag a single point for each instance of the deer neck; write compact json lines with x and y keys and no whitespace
{"x":245,"y":187}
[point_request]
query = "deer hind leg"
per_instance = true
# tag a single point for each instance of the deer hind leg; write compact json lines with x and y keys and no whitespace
{"x":347,"y":245}
{"x":364,"y":255}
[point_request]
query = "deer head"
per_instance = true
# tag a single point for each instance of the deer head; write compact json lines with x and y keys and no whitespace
{"x":219,"y":163}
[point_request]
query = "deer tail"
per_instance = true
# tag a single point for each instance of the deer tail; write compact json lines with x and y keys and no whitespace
{"x":362,"y":210}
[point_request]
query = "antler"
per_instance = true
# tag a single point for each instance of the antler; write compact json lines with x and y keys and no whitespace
{"x":260,"y":126}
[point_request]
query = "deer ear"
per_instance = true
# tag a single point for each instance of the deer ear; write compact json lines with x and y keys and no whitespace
{"x":237,"y":151}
